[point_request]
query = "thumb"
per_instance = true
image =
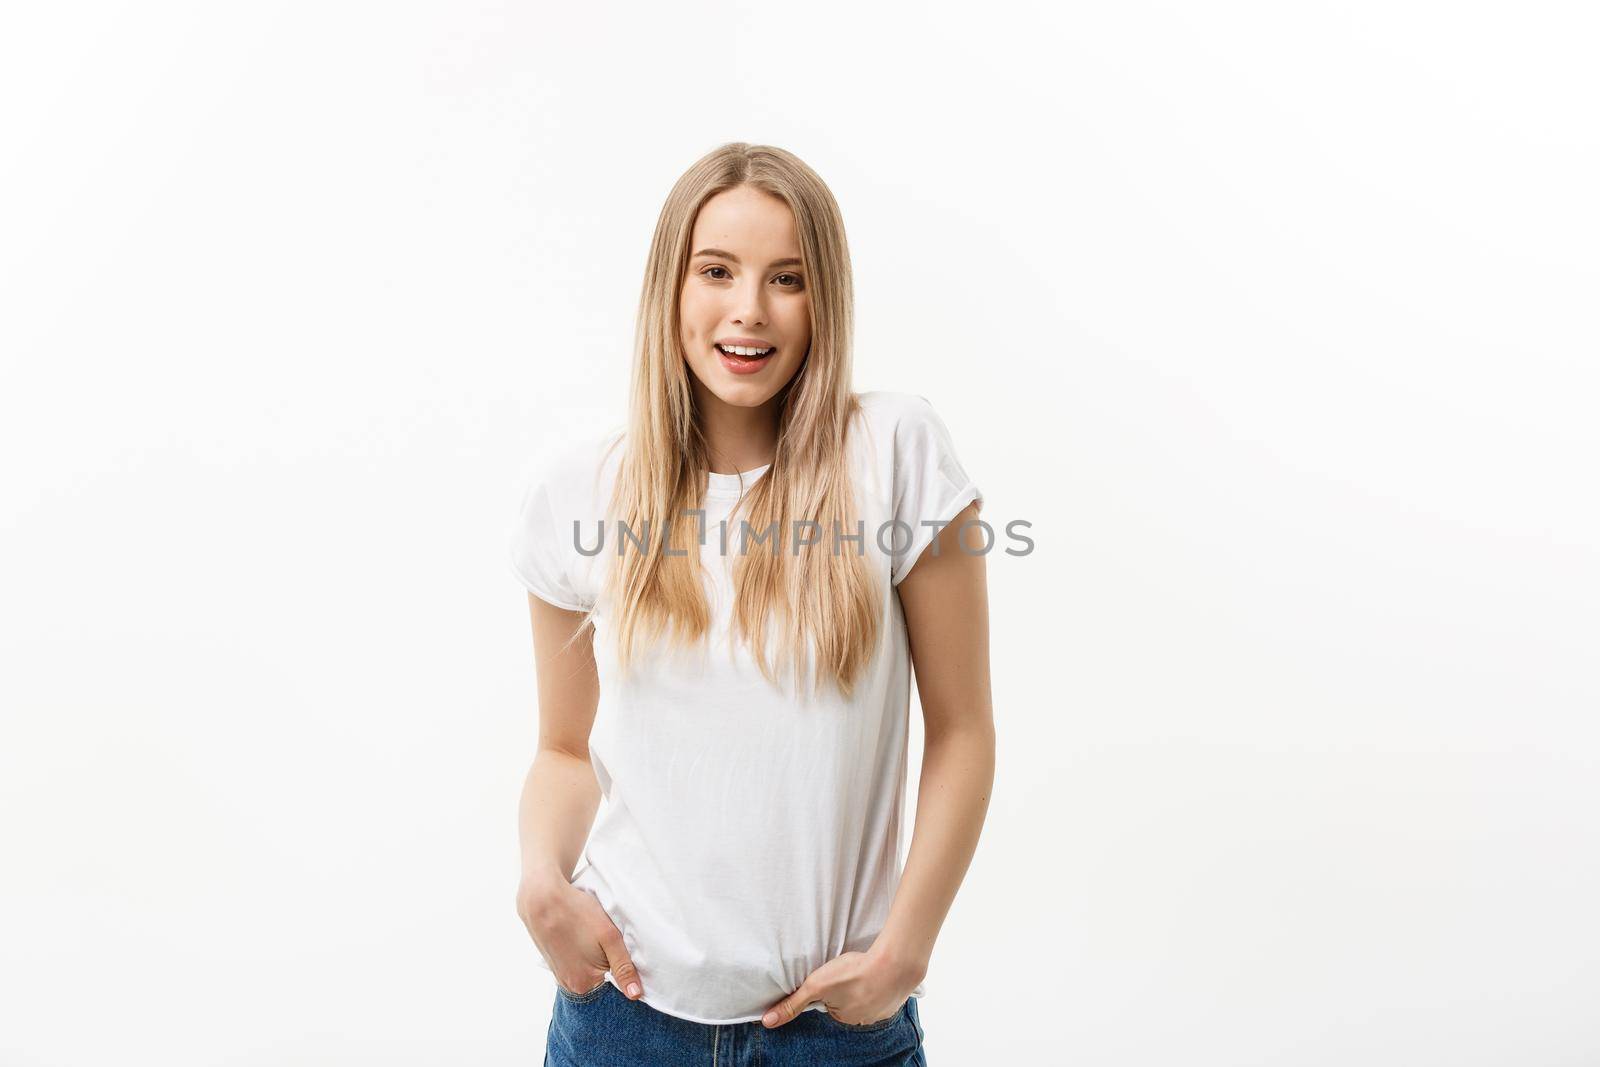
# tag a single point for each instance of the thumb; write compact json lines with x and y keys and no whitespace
{"x":620,"y":964}
{"x":787,"y":1009}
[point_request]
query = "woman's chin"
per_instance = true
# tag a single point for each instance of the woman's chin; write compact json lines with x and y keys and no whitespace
{"x":740,"y":390}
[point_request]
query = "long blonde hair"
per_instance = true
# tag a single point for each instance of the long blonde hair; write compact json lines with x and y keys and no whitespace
{"x":823,"y":601}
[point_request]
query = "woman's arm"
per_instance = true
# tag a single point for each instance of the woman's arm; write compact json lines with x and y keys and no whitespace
{"x":946,"y":604}
{"x":560,"y":795}
{"x":559,"y":799}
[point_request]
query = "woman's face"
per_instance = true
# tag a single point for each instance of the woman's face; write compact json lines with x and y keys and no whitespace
{"x":745,"y":287}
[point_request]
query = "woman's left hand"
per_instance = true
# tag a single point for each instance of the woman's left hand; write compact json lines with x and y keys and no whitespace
{"x":857,"y":988}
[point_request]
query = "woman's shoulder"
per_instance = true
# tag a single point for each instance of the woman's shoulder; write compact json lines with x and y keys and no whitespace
{"x":575,"y":467}
{"x":899,"y":416}
{"x":885,"y":402}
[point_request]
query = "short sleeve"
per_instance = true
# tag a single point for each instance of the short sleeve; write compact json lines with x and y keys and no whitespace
{"x":543,"y":551}
{"x":930,"y":484}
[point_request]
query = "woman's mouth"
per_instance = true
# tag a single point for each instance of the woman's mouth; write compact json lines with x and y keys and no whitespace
{"x":744,"y":360}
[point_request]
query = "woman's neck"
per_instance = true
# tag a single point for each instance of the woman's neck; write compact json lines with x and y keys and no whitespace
{"x":739,"y":438}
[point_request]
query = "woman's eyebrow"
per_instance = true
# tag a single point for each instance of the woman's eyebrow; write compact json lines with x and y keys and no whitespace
{"x":720,"y":254}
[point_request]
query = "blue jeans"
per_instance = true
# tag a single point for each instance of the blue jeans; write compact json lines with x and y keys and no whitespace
{"x":603,"y":1028}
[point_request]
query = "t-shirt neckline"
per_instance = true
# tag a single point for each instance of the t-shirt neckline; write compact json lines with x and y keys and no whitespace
{"x":730,"y":485}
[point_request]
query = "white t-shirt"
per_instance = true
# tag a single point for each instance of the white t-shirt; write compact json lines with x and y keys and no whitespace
{"x":748,"y":834}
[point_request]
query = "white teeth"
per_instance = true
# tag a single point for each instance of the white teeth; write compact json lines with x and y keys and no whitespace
{"x":740,"y":350}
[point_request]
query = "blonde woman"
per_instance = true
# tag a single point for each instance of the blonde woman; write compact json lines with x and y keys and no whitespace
{"x":728,"y":597}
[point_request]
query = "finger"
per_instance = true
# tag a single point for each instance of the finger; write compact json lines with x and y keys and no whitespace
{"x":620,"y":964}
{"x":789,"y":1007}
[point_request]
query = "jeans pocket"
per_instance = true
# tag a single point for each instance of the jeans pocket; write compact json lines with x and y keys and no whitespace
{"x":582,"y":998}
{"x":881,"y":1024}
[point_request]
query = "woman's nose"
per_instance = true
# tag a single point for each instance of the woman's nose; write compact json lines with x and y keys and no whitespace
{"x":750,"y":307}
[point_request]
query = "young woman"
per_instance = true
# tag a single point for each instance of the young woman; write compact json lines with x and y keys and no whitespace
{"x":728,"y":598}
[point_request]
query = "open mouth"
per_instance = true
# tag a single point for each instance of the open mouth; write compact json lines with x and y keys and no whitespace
{"x":749,"y":354}
{"x":741,"y":360}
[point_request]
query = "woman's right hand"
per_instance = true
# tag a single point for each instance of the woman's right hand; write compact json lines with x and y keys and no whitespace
{"x":575,"y":936}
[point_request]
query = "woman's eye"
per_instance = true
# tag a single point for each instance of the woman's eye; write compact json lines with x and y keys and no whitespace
{"x":793,"y":282}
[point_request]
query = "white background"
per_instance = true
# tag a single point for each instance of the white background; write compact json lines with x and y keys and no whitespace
{"x":1277,"y":322}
